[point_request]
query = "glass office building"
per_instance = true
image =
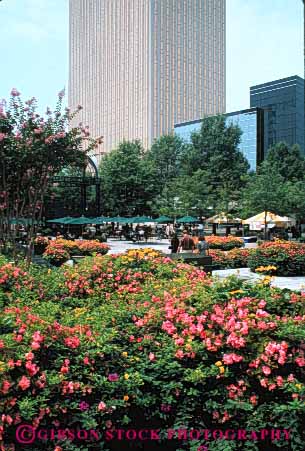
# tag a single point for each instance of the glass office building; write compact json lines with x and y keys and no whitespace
{"x":283,"y":105}
{"x":251,"y":123}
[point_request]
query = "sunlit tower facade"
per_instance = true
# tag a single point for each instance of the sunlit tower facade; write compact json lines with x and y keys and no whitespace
{"x":137,"y":67}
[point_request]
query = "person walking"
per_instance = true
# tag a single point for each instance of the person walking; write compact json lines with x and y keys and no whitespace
{"x":202,"y":246}
{"x":186,"y":244}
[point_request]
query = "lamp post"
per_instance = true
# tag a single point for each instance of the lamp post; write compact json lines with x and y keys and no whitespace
{"x":176,"y":201}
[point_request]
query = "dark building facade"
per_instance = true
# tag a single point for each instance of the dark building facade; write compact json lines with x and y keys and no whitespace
{"x":251,"y":123}
{"x":283,"y":104}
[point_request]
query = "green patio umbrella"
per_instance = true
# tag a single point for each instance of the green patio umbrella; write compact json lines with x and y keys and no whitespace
{"x":80,"y":221}
{"x":163,"y":220}
{"x":187,"y":219}
{"x":64,"y":220}
{"x":141,"y":220}
{"x":119,"y":219}
{"x":100,"y":220}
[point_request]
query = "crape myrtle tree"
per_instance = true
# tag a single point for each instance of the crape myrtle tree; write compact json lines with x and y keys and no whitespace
{"x":32,"y":150}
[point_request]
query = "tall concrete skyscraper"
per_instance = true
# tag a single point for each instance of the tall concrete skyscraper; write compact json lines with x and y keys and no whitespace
{"x":139,"y":66}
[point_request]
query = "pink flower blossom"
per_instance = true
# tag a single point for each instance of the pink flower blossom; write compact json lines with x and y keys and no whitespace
{"x":229,"y":359}
{"x":5,"y":386}
{"x":266,"y":370}
{"x":72,"y":342}
{"x":151,"y":356}
{"x":179,"y":354}
{"x":15,"y":93}
{"x":32,"y":369}
{"x":102,"y":406}
{"x":300,"y":361}
{"x":113,"y":377}
{"x":24,"y":383}
{"x":253,"y":399}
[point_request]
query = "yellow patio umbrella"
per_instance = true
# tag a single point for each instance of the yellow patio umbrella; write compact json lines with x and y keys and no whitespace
{"x":221,"y":218}
{"x":266,"y":219}
{"x":279,"y":221}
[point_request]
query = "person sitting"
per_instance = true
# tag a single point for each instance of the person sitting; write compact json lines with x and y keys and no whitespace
{"x":202,"y":246}
{"x":186,"y":244}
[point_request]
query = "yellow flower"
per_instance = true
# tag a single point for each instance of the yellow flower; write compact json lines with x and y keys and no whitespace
{"x":124,"y":354}
{"x":219,"y":363}
{"x":126,"y":376}
{"x":299,"y":386}
{"x":221,"y":369}
{"x":236,"y":291}
{"x":79,"y":311}
{"x":126,"y":397}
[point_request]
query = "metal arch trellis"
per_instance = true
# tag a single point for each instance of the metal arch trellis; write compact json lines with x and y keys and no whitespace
{"x":84,"y":181}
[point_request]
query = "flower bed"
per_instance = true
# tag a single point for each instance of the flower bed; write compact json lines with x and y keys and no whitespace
{"x":56,"y":254}
{"x":287,"y":257}
{"x":235,"y":258}
{"x":138,"y":341}
{"x":224,"y":243}
{"x":60,"y":250}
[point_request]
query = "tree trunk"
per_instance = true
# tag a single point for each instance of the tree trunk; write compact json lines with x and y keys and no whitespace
{"x":265,"y":225}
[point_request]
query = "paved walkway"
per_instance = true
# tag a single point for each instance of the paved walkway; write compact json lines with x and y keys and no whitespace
{"x":293,"y":283}
{"x":120,"y":246}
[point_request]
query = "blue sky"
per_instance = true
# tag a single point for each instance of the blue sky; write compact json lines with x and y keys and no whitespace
{"x":264,"y":42}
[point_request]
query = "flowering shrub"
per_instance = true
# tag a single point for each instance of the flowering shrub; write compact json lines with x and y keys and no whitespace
{"x":138,"y":341}
{"x":89,"y":247}
{"x":42,"y":146}
{"x":58,"y":251}
{"x":224,"y":243}
{"x":287,"y":257}
{"x":55,"y":253}
{"x":235,"y":258}
{"x":266,"y":269}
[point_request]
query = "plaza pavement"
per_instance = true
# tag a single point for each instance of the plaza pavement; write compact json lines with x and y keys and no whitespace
{"x":292,"y":283}
{"x":120,"y":246}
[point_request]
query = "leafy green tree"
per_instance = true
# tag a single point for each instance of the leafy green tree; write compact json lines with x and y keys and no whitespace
{"x":128,"y":181}
{"x":165,"y":155}
{"x":295,"y":199}
{"x":215,"y":151}
{"x":186,"y":195}
{"x":287,"y":160}
{"x":266,"y":191}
